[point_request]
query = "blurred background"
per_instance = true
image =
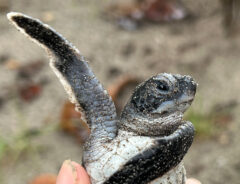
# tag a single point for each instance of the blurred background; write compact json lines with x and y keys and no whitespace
{"x":125,"y":43}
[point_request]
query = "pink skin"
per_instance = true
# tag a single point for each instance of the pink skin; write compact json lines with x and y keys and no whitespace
{"x":73,"y":173}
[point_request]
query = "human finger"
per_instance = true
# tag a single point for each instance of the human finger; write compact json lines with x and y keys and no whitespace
{"x":192,"y":181}
{"x":72,"y":173}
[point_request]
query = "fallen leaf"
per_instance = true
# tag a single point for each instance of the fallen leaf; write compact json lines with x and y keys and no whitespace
{"x":29,"y":91}
{"x":118,"y":87}
{"x":12,"y":64}
{"x":45,"y":179}
{"x":163,"y":10}
{"x":132,"y":14}
{"x":30,"y":69}
{"x":223,"y":119}
{"x":71,"y":122}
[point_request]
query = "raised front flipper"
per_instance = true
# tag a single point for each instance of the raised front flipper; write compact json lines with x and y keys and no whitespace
{"x":77,"y":78}
{"x":155,"y":162}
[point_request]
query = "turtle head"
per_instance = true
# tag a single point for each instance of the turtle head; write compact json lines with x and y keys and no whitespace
{"x":164,"y":94}
{"x":157,"y":105}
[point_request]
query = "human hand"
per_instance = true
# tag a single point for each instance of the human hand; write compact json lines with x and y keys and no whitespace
{"x":193,"y":181}
{"x":72,"y":173}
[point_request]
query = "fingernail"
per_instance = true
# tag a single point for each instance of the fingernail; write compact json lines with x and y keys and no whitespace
{"x":67,"y":173}
{"x":82,"y":176}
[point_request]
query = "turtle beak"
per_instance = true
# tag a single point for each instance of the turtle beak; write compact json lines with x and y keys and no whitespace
{"x":188,"y":93}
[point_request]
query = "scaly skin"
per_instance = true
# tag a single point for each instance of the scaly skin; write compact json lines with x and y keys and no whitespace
{"x":149,"y":141}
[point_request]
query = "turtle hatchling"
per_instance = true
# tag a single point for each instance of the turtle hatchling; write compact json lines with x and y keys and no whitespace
{"x":147,"y":143}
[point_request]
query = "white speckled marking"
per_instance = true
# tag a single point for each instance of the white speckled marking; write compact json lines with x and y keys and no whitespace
{"x":174,"y":176}
{"x":115,"y":154}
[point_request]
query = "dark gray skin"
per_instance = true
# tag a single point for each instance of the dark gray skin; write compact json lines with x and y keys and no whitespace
{"x":149,"y":141}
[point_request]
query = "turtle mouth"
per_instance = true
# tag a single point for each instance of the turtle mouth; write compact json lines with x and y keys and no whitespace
{"x":167,"y":108}
{"x":189,"y":100}
{"x":184,"y":104}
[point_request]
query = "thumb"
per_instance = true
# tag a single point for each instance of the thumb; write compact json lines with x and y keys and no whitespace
{"x":192,"y":181}
{"x":72,"y":173}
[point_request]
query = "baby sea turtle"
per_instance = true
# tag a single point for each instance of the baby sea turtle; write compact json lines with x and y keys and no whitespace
{"x":148,"y":142}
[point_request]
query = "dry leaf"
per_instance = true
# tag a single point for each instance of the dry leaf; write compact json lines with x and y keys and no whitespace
{"x":44,"y":179}
{"x":130,"y":15}
{"x":29,"y":91}
{"x":163,"y":10}
{"x":119,"y":86}
{"x":72,"y":123}
{"x":12,"y":64}
{"x":30,"y":69}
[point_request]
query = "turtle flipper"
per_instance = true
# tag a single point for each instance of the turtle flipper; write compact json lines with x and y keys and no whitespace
{"x":156,"y":161}
{"x":74,"y":73}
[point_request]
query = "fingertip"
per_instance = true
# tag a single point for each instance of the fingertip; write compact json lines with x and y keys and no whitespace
{"x":66,"y":173}
{"x":192,"y":181}
{"x":82,"y":176}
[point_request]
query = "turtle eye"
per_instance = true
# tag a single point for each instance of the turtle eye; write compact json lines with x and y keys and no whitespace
{"x":162,"y":86}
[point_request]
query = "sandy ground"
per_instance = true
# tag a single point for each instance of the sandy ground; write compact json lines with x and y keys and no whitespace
{"x":198,"y":48}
